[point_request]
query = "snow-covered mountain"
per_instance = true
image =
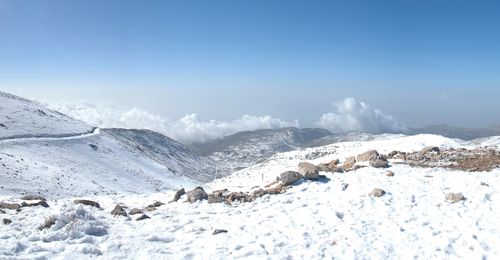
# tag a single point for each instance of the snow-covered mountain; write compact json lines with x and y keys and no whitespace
{"x":45,"y":152}
{"x":334,"y":217}
{"x":244,"y":149}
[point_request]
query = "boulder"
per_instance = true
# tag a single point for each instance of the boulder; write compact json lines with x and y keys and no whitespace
{"x":389,"y":174}
{"x":7,"y":221}
{"x":357,"y":167}
{"x":2,"y":211}
{"x":135,"y":211}
{"x":308,"y":170}
{"x":379,"y":163}
{"x":280,"y":188}
{"x":237,"y":196}
{"x":366,"y":156}
{"x":289,"y":177}
{"x":349,"y":163}
{"x":197,"y":194}
{"x":12,"y":206}
{"x":143,"y":217}
{"x":156,"y":204}
{"x":88,"y":203}
{"x":178,"y":195}
{"x":454,"y":197}
{"x":119,"y":211}
{"x":377,"y":192}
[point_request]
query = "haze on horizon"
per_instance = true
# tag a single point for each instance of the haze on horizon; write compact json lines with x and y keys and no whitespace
{"x":299,"y":63}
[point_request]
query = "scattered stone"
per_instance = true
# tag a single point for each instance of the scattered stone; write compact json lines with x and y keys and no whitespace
{"x":119,"y":211}
{"x":218,"y":231}
{"x":143,"y":217}
{"x":392,"y":154}
{"x":367,"y":156}
{"x":33,"y":197}
{"x":349,"y":163}
{"x":149,"y":208}
{"x":12,"y":206}
{"x":377,"y":192}
{"x":217,"y":196}
{"x":454,"y":197}
{"x":389,"y":174}
{"x":135,"y":211}
{"x":344,"y":186}
{"x":156,"y":204}
{"x":289,"y":177}
{"x":40,"y":203}
{"x":379,"y":163}
{"x":49,"y":222}
{"x":334,"y":162}
{"x":178,"y":195}
{"x":308,"y":170}
{"x":6,"y":221}
{"x":485,"y":184}
{"x":429,"y":149}
{"x":257,"y":194}
{"x":2,"y":211}
{"x":280,"y":188}
{"x":237,"y":196}
{"x":88,"y":203}
{"x":197,"y":194}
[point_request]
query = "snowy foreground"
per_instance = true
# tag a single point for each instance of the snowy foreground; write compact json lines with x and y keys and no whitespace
{"x":332,"y":218}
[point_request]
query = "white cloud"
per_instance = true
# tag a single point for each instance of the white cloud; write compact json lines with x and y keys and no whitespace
{"x":351,"y":115}
{"x":187,"y":129}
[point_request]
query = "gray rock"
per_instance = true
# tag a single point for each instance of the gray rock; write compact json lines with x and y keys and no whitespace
{"x":42,"y":203}
{"x":143,"y":217}
{"x":12,"y":206}
{"x":349,"y":163}
{"x":119,"y":211}
{"x":217,"y":196}
{"x":88,"y":203}
{"x":2,"y":211}
{"x":378,"y":163}
{"x":7,"y":221}
{"x":197,"y":194}
{"x":33,"y":197}
{"x":389,"y":174}
{"x":357,"y":167}
{"x":308,"y":170}
{"x":135,"y":211}
{"x":178,"y":195}
{"x":219,"y":231}
{"x":454,"y":197}
{"x":289,"y":177}
{"x":156,"y":204}
{"x":367,"y":156}
{"x":377,"y":192}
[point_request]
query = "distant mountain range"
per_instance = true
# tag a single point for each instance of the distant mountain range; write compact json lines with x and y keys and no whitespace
{"x":458,"y":132}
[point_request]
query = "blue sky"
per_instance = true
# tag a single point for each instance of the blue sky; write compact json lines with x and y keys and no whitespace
{"x":423,"y":62}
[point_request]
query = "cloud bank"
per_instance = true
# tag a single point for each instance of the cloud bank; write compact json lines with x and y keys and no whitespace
{"x":188,"y":129}
{"x":351,"y":115}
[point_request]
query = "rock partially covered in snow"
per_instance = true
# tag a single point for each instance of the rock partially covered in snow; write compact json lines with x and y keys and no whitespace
{"x":367,"y":156}
{"x":377,"y":192}
{"x":197,"y":194}
{"x":308,"y":170}
{"x":7,"y":221}
{"x":429,"y":149}
{"x":378,"y":163}
{"x":290,"y":177}
{"x":88,"y":203}
{"x":455,"y":197}
{"x":349,"y":163}
{"x":12,"y":206}
{"x":119,"y":211}
{"x":389,"y":174}
{"x":178,"y":195}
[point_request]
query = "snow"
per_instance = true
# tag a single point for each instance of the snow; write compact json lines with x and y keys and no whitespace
{"x":20,"y":117}
{"x":312,"y":220}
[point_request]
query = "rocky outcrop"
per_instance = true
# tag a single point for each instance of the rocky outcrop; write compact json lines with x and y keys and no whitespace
{"x":367,"y":156}
{"x":290,"y":177}
{"x":12,"y":206}
{"x":178,"y":195}
{"x":349,"y":163}
{"x":42,"y":203}
{"x":378,"y":163}
{"x":135,"y":211}
{"x":197,"y":194}
{"x":308,"y":171}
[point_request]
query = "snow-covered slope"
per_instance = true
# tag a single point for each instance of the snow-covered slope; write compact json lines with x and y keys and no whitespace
{"x":45,"y":152}
{"x":331,"y":218}
{"x":20,"y":117}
